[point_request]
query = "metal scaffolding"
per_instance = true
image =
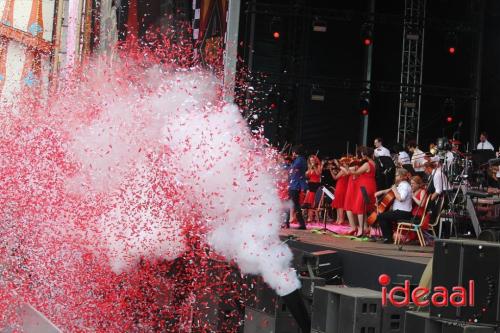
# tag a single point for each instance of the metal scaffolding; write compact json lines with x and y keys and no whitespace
{"x":411,"y":70}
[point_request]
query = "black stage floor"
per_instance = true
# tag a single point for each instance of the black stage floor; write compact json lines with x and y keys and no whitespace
{"x":364,"y":261}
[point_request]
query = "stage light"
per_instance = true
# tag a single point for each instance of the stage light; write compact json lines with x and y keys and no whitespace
{"x":449,"y":119}
{"x":367,"y":33}
{"x":364,"y":104}
{"x":275,"y":27}
{"x":451,"y":41}
{"x":272,"y":106}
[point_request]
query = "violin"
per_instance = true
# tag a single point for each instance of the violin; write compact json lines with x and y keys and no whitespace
{"x":381,"y":207}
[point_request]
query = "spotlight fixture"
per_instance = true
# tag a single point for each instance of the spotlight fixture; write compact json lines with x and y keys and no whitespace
{"x":364,"y":104}
{"x":275,"y":27}
{"x":367,"y":33}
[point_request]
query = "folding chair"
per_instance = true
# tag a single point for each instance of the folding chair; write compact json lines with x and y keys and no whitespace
{"x":407,"y":225}
{"x":439,"y":211}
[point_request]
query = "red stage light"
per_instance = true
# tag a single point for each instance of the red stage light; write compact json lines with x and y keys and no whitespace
{"x":364,"y":112}
{"x":276,"y":35}
{"x":449,"y":119}
{"x":273,"y":106}
{"x":367,"y":41}
{"x":451,"y":50}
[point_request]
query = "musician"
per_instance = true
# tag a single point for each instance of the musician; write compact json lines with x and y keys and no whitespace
{"x":342,"y":179}
{"x":313,"y":175}
{"x":403,"y":159}
{"x":402,"y":207}
{"x":417,"y":158}
{"x":385,"y":168}
{"x":439,"y":182}
{"x":418,"y":195}
{"x":380,"y":150}
{"x":363,"y":178}
{"x":484,"y":144}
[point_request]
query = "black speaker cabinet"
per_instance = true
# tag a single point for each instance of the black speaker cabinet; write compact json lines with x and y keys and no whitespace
{"x":421,"y":322}
{"x":456,"y":262}
{"x":338,"y":309}
{"x":260,"y":322}
{"x":393,"y":319}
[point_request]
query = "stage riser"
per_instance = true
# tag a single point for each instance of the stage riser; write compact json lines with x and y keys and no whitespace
{"x":362,"y":270}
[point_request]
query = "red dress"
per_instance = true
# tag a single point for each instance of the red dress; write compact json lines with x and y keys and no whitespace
{"x":367,"y":180}
{"x":340,"y":192}
{"x":350,"y":193}
{"x":313,"y":185}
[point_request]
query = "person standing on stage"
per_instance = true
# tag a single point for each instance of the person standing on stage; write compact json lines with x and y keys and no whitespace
{"x":439,"y":182}
{"x":297,"y":183}
{"x":484,"y":144}
{"x":417,"y":158}
{"x":364,"y":190}
{"x":313,"y":175}
{"x":380,"y":150}
{"x":402,"y":207}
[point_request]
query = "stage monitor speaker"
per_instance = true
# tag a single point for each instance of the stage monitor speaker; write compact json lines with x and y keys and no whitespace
{"x":266,"y":300}
{"x":261,"y":322}
{"x":456,"y":262}
{"x":420,"y":322}
{"x":338,"y":309}
{"x":489,"y":235}
{"x":393,"y":319}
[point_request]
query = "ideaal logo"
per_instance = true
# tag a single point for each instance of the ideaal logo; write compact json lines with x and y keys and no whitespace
{"x":439,"y":296}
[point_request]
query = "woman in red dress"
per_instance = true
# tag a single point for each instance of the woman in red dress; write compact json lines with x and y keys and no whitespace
{"x":313,"y":175}
{"x":342,"y":180}
{"x":350,"y":196}
{"x":366,"y":179}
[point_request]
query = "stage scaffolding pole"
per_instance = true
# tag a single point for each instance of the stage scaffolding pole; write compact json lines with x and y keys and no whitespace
{"x":231,"y":49}
{"x":478,"y":66}
{"x":367,"y":75}
{"x":412,"y":65}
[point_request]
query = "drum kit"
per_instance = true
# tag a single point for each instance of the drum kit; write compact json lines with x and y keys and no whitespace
{"x":466,"y":168}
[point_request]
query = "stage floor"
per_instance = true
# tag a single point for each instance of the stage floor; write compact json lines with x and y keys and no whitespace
{"x":410,"y":253}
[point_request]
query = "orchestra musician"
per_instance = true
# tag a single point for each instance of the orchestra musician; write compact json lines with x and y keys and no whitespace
{"x":313,"y":175}
{"x":362,"y":179}
{"x":417,"y":158}
{"x":380,"y":150}
{"x":419,"y":195}
{"x":484,"y":144}
{"x":403,"y":159}
{"x":342,"y":179}
{"x":402,"y":207}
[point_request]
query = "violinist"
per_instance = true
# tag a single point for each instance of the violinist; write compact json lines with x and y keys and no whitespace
{"x":342,"y":178}
{"x":362,"y":179}
{"x":402,"y":207}
{"x":313,"y":175}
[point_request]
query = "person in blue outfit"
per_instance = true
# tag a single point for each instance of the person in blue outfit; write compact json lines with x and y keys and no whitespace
{"x":297,"y":183}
